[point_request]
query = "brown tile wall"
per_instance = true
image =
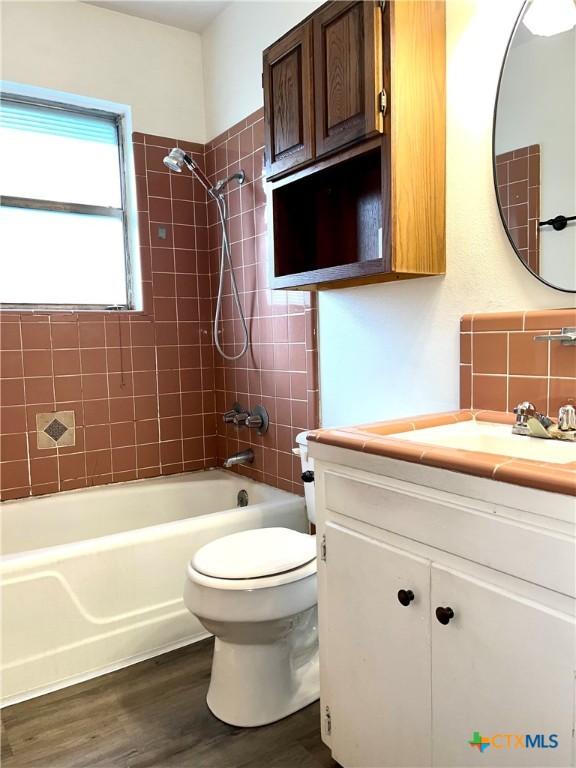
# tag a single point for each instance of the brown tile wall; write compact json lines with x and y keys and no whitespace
{"x":141,"y":385}
{"x":518,"y":179}
{"x":280,"y":370}
{"x":147,"y":388}
{"x":501,"y":364}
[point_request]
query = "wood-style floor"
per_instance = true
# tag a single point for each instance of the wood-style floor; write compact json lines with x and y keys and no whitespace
{"x":152,"y":714}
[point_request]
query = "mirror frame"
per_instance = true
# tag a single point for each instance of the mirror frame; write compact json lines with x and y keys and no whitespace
{"x":494,"y":178}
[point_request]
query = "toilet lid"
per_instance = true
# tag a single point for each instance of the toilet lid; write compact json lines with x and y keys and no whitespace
{"x":256,"y":553}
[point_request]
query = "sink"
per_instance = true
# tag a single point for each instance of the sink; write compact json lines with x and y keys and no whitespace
{"x":487,"y":437}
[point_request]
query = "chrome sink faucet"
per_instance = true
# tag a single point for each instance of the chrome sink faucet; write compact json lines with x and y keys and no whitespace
{"x":526,"y":411}
{"x":523,"y":411}
{"x":567,"y":418}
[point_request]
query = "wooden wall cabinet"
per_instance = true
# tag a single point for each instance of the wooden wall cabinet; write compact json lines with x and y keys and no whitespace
{"x":354,"y":104}
{"x":348,"y":73}
{"x":288,"y":89}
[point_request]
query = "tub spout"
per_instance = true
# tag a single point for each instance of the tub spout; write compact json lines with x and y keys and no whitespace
{"x":242,"y":457}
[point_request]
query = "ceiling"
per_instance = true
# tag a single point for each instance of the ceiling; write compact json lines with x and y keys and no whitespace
{"x":191,"y":15}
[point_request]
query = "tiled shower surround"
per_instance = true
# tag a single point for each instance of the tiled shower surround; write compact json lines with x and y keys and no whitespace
{"x":147,"y":389}
{"x":501,"y":365}
{"x":280,"y":369}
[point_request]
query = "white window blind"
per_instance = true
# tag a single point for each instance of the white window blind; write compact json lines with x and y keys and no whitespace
{"x":63,"y":215}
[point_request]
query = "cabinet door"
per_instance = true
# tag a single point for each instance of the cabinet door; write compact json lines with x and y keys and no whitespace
{"x":503,"y":665}
{"x":348,"y":73}
{"x":375,"y":653}
{"x":288,"y":100}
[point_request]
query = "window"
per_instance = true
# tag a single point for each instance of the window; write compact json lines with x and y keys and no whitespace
{"x":67,"y":222}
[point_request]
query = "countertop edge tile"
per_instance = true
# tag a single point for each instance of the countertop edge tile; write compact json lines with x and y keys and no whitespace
{"x":541,"y":475}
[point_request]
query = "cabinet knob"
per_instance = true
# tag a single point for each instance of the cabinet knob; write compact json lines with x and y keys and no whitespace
{"x":405,"y":596}
{"x":444,"y":615}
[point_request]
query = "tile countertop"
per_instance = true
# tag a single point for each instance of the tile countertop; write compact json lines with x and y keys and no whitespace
{"x":376,"y":439}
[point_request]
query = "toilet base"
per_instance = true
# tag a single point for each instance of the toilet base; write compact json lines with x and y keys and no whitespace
{"x":255,"y":684}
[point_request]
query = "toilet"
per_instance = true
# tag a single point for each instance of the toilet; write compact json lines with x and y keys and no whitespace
{"x":256,"y":592}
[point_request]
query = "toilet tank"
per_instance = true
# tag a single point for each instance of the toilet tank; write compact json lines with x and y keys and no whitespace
{"x":307,"y":465}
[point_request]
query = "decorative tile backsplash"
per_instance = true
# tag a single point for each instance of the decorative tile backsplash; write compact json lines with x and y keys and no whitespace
{"x":145,"y":389}
{"x":501,"y":364}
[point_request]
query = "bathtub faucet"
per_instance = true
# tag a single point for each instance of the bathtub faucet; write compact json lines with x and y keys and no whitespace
{"x":242,"y":457}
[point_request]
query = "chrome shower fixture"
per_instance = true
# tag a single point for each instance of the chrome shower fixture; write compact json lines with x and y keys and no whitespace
{"x":221,"y":185}
{"x":177,"y":159}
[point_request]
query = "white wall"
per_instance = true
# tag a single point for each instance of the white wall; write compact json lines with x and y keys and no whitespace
{"x":538,"y":106}
{"x":391,"y":350}
{"x":78,"y":48}
{"x":232,"y":50}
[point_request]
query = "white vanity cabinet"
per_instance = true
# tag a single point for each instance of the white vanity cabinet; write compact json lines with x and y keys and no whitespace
{"x":398,"y":686}
{"x":379,"y":683}
{"x":504,"y":664}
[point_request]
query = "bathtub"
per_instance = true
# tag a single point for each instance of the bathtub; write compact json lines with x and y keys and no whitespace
{"x":92,"y":580}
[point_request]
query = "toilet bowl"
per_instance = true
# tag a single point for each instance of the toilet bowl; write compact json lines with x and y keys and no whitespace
{"x":256,"y":592}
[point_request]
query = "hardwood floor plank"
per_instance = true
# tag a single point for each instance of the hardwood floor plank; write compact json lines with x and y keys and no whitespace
{"x":152,"y":715}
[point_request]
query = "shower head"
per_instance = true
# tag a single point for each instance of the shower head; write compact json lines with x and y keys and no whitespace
{"x":221,"y":185}
{"x":177,"y":159}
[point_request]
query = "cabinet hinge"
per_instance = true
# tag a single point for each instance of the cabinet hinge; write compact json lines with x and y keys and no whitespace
{"x":328,"y":721}
{"x":382,"y":4}
{"x":323,"y":548}
{"x":383,"y":101}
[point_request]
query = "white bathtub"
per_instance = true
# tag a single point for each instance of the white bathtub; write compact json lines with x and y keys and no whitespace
{"x":92,"y":580}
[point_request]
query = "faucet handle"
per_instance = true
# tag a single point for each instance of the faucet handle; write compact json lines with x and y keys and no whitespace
{"x":240,"y":419}
{"x":229,"y":416}
{"x":524,"y":411}
{"x":258,"y":420}
{"x":567,"y":418}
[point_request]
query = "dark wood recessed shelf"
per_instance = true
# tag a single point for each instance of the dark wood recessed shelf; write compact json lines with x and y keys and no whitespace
{"x":328,"y":223}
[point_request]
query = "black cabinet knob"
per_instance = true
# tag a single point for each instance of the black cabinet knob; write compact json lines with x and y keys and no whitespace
{"x":405,"y":596}
{"x":444,"y":615}
{"x":307,"y":477}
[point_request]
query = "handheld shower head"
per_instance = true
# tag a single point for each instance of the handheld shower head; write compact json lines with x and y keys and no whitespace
{"x":177,"y":159}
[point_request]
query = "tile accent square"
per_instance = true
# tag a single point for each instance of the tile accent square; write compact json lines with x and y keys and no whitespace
{"x":56,"y":429}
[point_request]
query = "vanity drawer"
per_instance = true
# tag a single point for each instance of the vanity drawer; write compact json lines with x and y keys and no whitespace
{"x":468,"y":528}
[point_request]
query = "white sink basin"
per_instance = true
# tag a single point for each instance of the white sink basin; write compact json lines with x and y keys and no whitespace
{"x":486,"y":437}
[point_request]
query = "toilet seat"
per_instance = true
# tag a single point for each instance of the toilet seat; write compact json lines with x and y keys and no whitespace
{"x":255,"y":554}
{"x":250,"y":585}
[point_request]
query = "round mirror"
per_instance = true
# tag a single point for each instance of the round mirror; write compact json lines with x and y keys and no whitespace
{"x":534,"y":141}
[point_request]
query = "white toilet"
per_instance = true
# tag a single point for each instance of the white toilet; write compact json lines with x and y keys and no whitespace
{"x":256,"y":591}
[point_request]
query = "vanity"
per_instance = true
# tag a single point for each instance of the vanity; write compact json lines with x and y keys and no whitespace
{"x":446,"y":593}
